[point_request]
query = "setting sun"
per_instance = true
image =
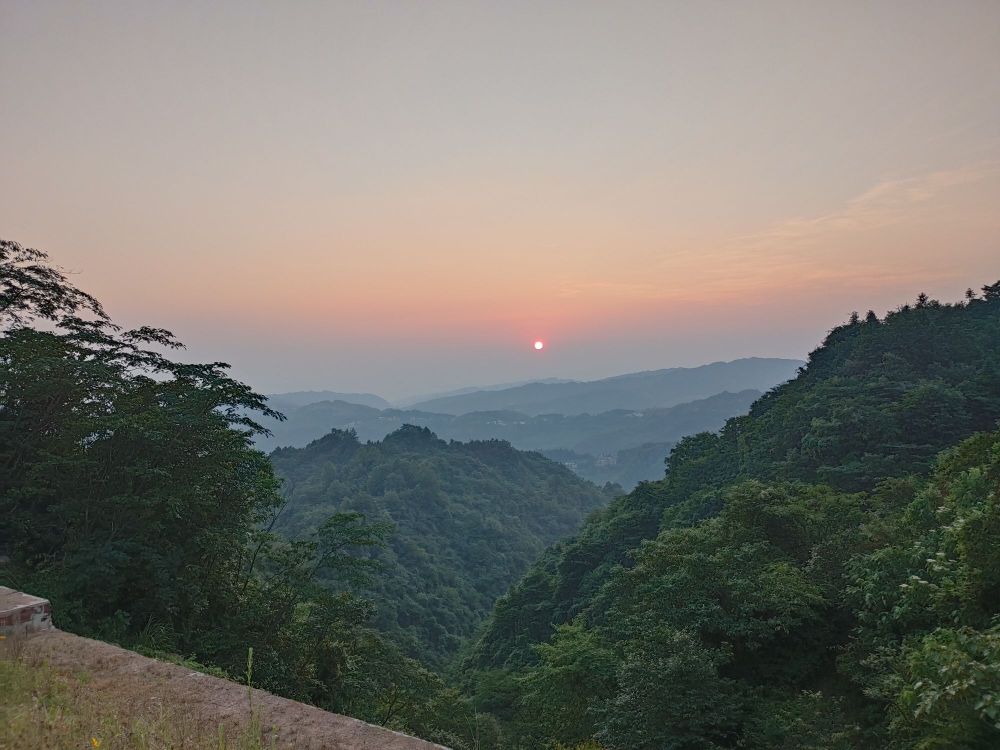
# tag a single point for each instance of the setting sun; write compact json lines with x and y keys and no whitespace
{"x":764,"y":239}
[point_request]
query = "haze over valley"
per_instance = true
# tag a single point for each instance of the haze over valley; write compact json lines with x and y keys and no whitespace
{"x":462,"y":375}
{"x":637,"y":418}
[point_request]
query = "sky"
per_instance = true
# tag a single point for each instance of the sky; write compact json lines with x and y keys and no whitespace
{"x":400,"y":197}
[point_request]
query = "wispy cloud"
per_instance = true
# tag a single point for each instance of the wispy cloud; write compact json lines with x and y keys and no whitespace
{"x":887,"y":203}
{"x":864,"y":244}
{"x":834,"y":248}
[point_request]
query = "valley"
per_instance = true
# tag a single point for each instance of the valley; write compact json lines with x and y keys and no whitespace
{"x":618,"y":446}
{"x":809,"y":553}
{"x":500,"y":375}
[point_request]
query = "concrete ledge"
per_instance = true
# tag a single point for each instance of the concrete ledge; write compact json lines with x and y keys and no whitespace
{"x":115,"y":675}
{"x":114,"y":672}
{"x":23,"y":614}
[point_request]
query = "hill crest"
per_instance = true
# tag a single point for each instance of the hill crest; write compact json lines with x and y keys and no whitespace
{"x":637,"y":390}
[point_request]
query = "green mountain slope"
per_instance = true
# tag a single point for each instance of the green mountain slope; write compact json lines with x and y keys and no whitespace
{"x":468,"y":517}
{"x":717,"y":608}
{"x":592,"y":436}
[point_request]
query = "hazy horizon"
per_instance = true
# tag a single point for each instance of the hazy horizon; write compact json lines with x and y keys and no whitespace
{"x":408,"y":401}
{"x":400,"y":199}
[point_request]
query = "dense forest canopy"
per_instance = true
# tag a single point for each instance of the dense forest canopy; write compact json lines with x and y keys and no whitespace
{"x":467,"y":518}
{"x":800,"y":579}
{"x":821,"y":573}
{"x":621,"y":446}
{"x":133,"y":499}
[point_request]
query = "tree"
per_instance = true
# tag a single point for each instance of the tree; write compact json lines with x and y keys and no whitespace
{"x":809,"y":551}
{"x":130,"y":484}
{"x":560,"y":695}
{"x":671,"y":697}
{"x":31,"y":287}
{"x":951,"y":696}
{"x":133,"y":498}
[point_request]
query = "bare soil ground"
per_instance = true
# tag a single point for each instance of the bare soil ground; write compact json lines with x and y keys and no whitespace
{"x":116,"y":674}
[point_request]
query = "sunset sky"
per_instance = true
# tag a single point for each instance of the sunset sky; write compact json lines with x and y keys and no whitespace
{"x":402,"y":197}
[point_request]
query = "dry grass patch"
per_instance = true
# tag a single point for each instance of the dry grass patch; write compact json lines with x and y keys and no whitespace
{"x":44,"y":707}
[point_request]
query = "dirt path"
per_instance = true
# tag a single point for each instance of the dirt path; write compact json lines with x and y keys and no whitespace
{"x":214,"y":701}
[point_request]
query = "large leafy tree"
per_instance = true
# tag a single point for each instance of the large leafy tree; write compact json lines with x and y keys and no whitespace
{"x":132,"y":497}
{"x":129,"y":486}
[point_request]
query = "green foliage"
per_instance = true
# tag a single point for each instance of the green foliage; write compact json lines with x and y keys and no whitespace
{"x":620,"y":446}
{"x":671,"y":695}
{"x":822,"y":573}
{"x":804,"y":721}
{"x":129,"y":482}
{"x":31,"y":288}
{"x":133,"y":498}
{"x":802,"y":578}
{"x":560,"y":694}
{"x":468,"y":519}
{"x":951,"y":696}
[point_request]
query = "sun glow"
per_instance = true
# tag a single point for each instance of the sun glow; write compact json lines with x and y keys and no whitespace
{"x":539,"y":345}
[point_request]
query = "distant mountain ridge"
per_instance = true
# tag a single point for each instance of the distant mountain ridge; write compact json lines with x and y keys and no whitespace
{"x":624,"y":444}
{"x":640,"y":390}
{"x":468,"y":518}
{"x":589,"y":437}
{"x":407,"y":402}
{"x":296,"y":399}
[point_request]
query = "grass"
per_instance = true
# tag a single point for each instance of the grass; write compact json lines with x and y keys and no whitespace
{"x":41,"y":707}
{"x":182,"y":661}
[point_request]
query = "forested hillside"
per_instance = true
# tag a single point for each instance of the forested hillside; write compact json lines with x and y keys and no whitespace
{"x":594,"y":434}
{"x":822,"y":573}
{"x":592,"y":437}
{"x":801,"y":579}
{"x":467,"y":520}
{"x":133,"y":499}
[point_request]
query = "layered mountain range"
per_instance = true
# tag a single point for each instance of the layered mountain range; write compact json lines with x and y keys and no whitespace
{"x":646,"y":414}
